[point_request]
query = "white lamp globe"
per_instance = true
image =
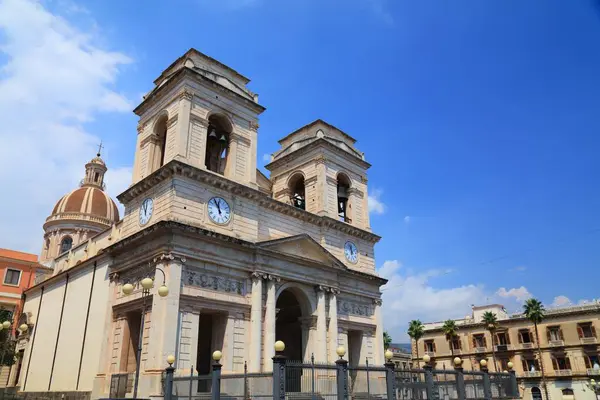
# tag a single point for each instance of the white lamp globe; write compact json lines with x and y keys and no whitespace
{"x":426,"y":358}
{"x":217,"y":355}
{"x":170,"y":359}
{"x":163,"y":291}
{"x":388,"y":354}
{"x":127,"y":289}
{"x":483,"y":362}
{"x":279,"y":346}
{"x":341,"y":351}
{"x":457,"y":361}
{"x":510,"y":365}
{"x":23,"y":328}
{"x":147,"y":283}
{"x":6,"y":324}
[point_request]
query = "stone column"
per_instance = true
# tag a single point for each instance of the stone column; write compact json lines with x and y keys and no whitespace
{"x":321,"y":354}
{"x":269,"y":347}
{"x":321,"y":192}
{"x":197,"y":155}
{"x":232,"y":158}
{"x":183,"y":124}
{"x":229,"y":343}
{"x":333,"y":324}
{"x":378,"y":345}
{"x":256,"y":323}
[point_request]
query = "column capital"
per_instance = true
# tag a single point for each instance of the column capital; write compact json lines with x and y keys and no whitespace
{"x":186,"y":94}
{"x":377,"y":302}
{"x":266,"y":276}
{"x":169,"y":257}
{"x":327,"y":289}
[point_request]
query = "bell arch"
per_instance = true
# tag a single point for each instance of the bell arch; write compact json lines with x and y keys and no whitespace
{"x":218,"y":139}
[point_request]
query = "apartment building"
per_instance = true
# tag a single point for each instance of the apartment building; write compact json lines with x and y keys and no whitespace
{"x":401,"y":356}
{"x":568,"y":341}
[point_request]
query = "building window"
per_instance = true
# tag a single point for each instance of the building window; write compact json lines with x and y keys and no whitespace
{"x":530,"y":365}
{"x":591,"y":361}
{"x":567,"y":392}
{"x":429,"y":346}
{"x":525,"y":336}
{"x":586,"y":330}
{"x":479,"y":341}
{"x":456,"y":344}
{"x":554,"y":334}
{"x":504,"y":364}
{"x":66,"y":244}
{"x":217,"y":144}
{"x":502,"y":339}
{"x":12,"y":277}
{"x":343,"y":186}
{"x":297,"y":191}
{"x":561,"y":363}
{"x":160,"y":132}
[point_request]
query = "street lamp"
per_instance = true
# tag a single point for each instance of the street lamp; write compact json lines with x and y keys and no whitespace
{"x":163,"y":291}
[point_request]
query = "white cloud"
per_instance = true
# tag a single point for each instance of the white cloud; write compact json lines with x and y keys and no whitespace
{"x":53,"y":79}
{"x":561,"y":301}
{"x":376,"y":206}
{"x":407,"y":219}
{"x":266,"y":158}
{"x":520,"y":294}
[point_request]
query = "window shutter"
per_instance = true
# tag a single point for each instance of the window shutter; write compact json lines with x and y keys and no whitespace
{"x":474,"y":342}
{"x":524,"y":365}
{"x":554,"y":364}
{"x":532,"y":336}
{"x":568,"y":362}
{"x":588,"y":364}
{"x":459,"y":344}
{"x":484,"y":341}
{"x":520,"y":337}
{"x":548,"y":335}
{"x":507,"y":336}
{"x":579,"y":331}
{"x":433,"y":346}
{"x":594,"y":331}
{"x":560,"y":333}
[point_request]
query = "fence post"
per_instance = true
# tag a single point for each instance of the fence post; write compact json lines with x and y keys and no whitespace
{"x":429,"y":382}
{"x":487,"y":386}
{"x":278,"y":374}
{"x":513,"y":384}
{"x":460,"y":383}
{"x":342,"y":379}
{"x":390,"y":380}
{"x":215,"y":389}
{"x":169,"y":382}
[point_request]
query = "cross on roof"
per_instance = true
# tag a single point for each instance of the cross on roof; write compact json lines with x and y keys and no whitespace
{"x":100,"y":148}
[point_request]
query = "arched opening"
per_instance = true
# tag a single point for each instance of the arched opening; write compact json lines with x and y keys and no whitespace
{"x":66,"y":244}
{"x":217,"y":144}
{"x":160,"y":130}
{"x":536,"y":393}
{"x":297,"y":191}
{"x":344,"y":208}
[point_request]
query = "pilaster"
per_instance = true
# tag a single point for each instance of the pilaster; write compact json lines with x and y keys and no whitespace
{"x":321,"y":354}
{"x":256,"y":323}
{"x":378,"y":339}
{"x":269,"y":329}
{"x":333,"y":324}
{"x":183,"y":124}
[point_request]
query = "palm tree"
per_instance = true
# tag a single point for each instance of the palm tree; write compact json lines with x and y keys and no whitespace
{"x":451,"y":331}
{"x":491,"y":323}
{"x":535,"y":312}
{"x":416,"y":330}
{"x":387,"y":340}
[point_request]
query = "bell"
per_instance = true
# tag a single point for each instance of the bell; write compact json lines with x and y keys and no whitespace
{"x":212,"y":134}
{"x":223,"y":138}
{"x":342,"y":192}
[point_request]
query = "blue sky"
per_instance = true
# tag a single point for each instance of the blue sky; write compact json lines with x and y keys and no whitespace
{"x":480,"y":119}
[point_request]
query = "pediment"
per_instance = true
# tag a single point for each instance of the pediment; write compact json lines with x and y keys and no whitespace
{"x":303,"y":246}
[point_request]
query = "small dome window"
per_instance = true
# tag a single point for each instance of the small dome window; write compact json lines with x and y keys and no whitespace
{"x":66,"y":244}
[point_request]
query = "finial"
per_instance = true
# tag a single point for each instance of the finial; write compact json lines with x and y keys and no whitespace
{"x":99,"y":148}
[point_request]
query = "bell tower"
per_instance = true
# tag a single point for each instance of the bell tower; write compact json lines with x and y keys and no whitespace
{"x":318,"y":169}
{"x":200,"y":112}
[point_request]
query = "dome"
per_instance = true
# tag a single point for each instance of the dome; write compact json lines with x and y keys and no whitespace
{"x":89,"y":201}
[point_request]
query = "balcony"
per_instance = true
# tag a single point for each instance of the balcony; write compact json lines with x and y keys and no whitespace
{"x":593,"y":371}
{"x":556,"y":343}
{"x":531,"y":374}
{"x":503,"y":347}
{"x":588,"y":340}
{"x":563,"y":372}
{"x":527,"y":345}
{"x":480,"y":349}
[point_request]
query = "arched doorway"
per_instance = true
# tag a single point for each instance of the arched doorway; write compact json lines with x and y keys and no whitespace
{"x":536,"y":393}
{"x":288,"y":326}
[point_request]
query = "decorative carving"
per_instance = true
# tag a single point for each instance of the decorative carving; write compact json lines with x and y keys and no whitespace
{"x":169,"y":257}
{"x":326,"y":289}
{"x":320,"y":160}
{"x":134,"y":275}
{"x":377,"y":302}
{"x":218,"y":283}
{"x":265,"y":276}
{"x":186,"y":94}
{"x":140,"y":128}
{"x":253,"y":126}
{"x":352,"y":308}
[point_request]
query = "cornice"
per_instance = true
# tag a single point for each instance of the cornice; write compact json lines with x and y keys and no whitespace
{"x":320,"y":142}
{"x":177,"y":168}
{"x":186,"y":72}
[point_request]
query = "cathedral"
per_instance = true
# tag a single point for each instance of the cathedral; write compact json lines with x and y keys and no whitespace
{"x":209,"y":254}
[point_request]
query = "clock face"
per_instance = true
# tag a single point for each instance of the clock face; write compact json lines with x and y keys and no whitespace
{"x":146,"y":211}
{"x":218,"y":210}
{"x":351,"y":252}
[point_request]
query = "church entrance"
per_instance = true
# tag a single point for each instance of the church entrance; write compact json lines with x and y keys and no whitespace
{"x":211,"y":335}
{"x":288,"y":328}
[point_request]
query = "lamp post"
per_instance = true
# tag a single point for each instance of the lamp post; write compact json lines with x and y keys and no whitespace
{"x":5,"y":325}
{"x":595,"y":386}
{"x":147,"y":283}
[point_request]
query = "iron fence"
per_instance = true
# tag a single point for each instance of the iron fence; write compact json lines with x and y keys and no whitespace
{"x":292,"y":380}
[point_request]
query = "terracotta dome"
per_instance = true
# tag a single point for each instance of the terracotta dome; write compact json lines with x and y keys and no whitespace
{"x":88,"y":200}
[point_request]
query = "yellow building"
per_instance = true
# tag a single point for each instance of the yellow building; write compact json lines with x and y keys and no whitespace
{"x":567,"y":339}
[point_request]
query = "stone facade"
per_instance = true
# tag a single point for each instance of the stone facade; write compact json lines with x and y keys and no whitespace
{"x":270,"y":270}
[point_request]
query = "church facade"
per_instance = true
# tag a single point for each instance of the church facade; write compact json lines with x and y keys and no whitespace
{"x":247,"y":260}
